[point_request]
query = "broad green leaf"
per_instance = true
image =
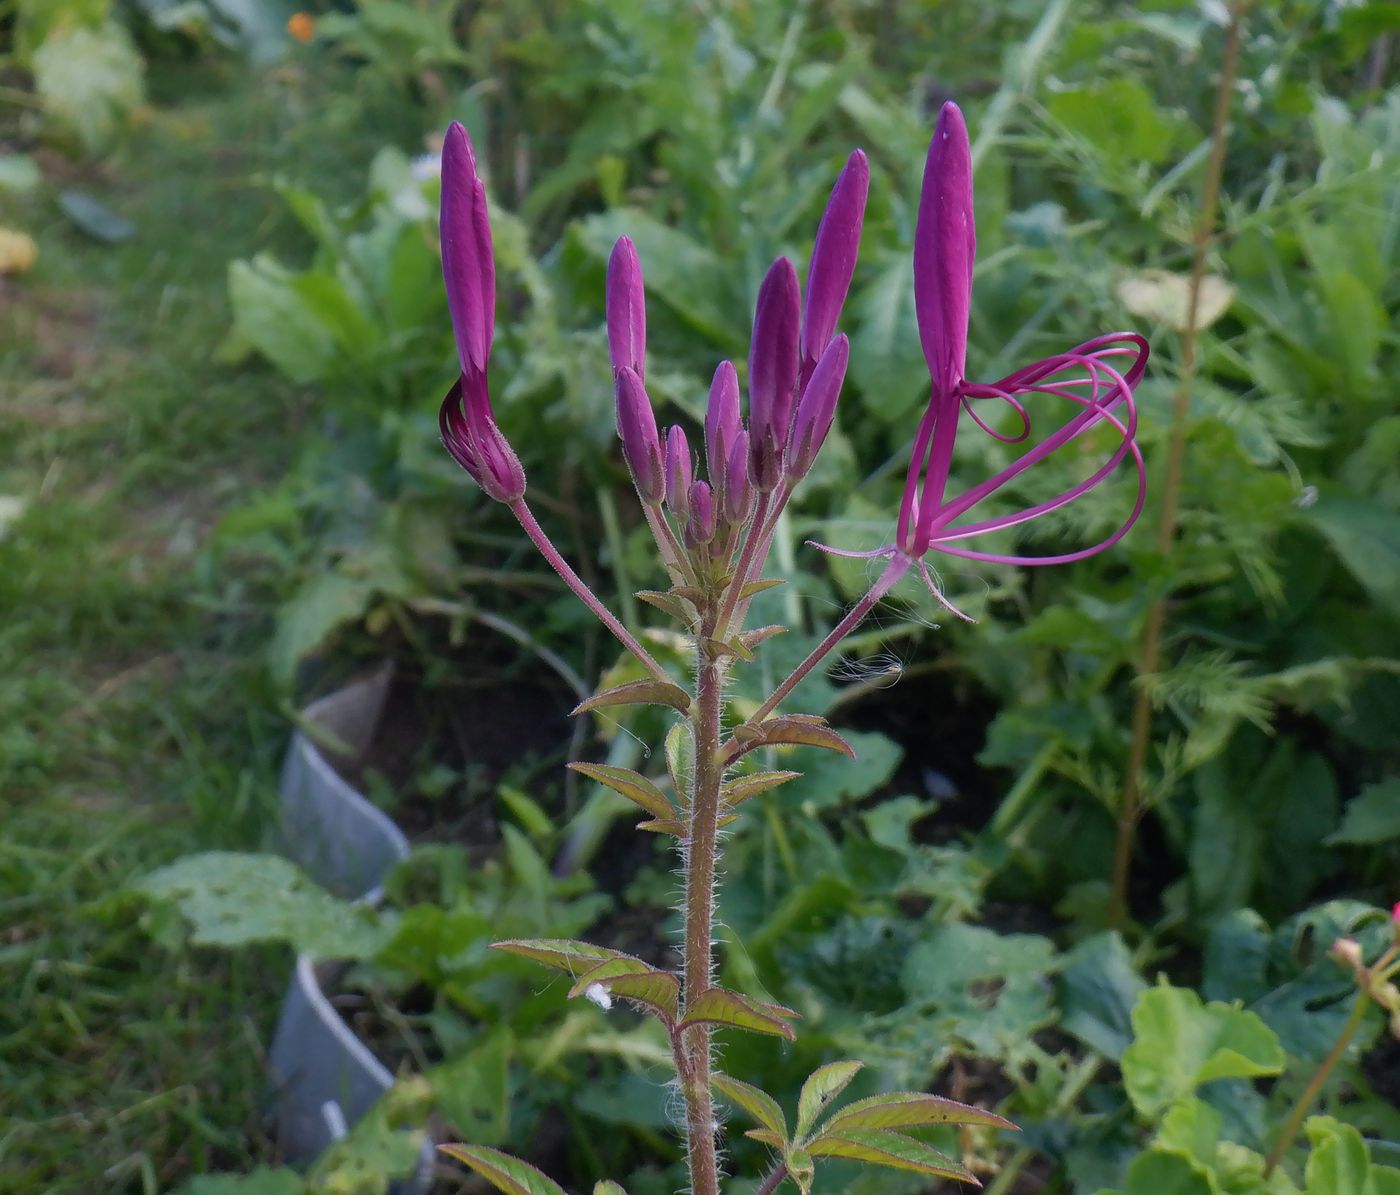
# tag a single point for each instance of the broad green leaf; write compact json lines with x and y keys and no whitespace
{"x":1098,"y":989}
{"x":472,"y":1088}
{"x":1179,"y":1043}
{"x":1118,"y":116}
{"x":502,"y":1171}
{"x":719,"y":1006}
{"x":607,"y":1187}
{"x":880,"y":1147}
{"x":325,"y":603}
{"x":563,"y":954}
{"x":261,"y":1181}
{"x":756,"y":1102}
{"x":1339,"y":1164}
{"x":1158,"y":1172}
{"x":1366,"y":537}
{"x":233,"y":899}
{"x":822,"y":1086}
{"x":792,"y":730}
{"x":632,"y":785}
{"x":910,"y":1109}
{"x":1372,"y":816}
{"x":637,"y":692}
{"x":886,"y":359}
{"x":741,"y":788}
{"x":90,"y":80}
{"x":269,"y":316}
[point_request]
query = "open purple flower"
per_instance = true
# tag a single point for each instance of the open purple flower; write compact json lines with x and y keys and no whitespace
{"x":465,"y":418}
{"x":1097,"y":376}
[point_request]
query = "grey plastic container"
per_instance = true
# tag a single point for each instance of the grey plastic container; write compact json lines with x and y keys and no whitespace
{"x":325,"y":1078}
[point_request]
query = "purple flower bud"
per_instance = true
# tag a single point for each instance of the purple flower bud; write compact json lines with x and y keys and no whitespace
{"x":834,"y":258}
{"x":817,"y":408}
{"x":773,"y":369}
{"x":470,"y":434}
{"x":721,"y":419}
{"x":678,"y":476}
{"x":640,"y":443}
{"x":627,"y":312}
{"x":738,"y":487}
{"x":468,"y":265}
{"x":700,"y":526}
{"x":945,"y":246}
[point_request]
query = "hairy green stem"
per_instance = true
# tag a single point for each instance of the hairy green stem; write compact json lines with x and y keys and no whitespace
{"x":1310,"y":1092}
{"x":1130,"y":805}
{"x":561,"y":566}
{"x":897,"y":567}
{"x":701,"y":857}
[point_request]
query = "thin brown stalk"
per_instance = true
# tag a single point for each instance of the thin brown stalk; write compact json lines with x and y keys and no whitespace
{"x":1149,"y":655}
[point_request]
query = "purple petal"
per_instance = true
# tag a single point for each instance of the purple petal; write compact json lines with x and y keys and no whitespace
{"x":834,"y":257}
{"x":773,"y":366}
{"x":627,"y":312}
{"x":721,"y":419}
{"x":945,"y":245}
{"x":817,"y":408}
{"x":475,"y":442}
{"x":468,"y":265}
{"x":738,"y":486}
{"x":641,"y":445}
{"x":700,"y":527}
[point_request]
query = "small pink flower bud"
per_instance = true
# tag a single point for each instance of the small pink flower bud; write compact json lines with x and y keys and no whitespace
{"x":627,"y":311}
{"x":641,"y":445}
{"x":773,"y":370}
{"x":1346,"y":952}
{"x":738,"y":487}
{"x":817,"y":408}
{"x":722,"y":421}
{"x":700,"y":527}
{"x":470,"y":434}
{"x":678,"y":474}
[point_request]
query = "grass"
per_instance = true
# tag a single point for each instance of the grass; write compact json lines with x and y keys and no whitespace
{"x":136,"y":722}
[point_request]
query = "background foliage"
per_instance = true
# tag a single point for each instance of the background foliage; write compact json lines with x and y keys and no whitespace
{"x":224,"y":493}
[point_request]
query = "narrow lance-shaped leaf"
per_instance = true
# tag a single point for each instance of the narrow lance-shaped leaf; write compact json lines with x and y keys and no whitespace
{"x":680,"y":760}
{"x":668,"y":603}
{"x":751,"y":588}
{"x":719,"y":1006}
{"x":883,"y":1148}
{"x":741,"y":788}
{"x":611,"y":968}
{"x":753,"y":638}
{"x":504,"y":1172}
{"x":798,"y":730}
{"x":910,"y":1109}
{"x":822,"y":1086}
{"x":637,"y":692}
{"x":563,"y":954}
{"x":756,"y":1102}
{"x":632,"y":785}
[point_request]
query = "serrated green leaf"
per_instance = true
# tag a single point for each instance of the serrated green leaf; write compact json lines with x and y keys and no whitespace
{"x":757,"y":1103}
{"x":637,"y":692}
{"x":563,"y":954}
{"x":233,"y":899}
{"x":910,"y":1109}
{"x":1180,"y":1043}
{"x":719,"y":1006}
{"x":632,"y":785}
{"x":741,"y":788}
{"x":502,"y":1171}
{"x":880,"y":1147}
{"x":822,"y":1086}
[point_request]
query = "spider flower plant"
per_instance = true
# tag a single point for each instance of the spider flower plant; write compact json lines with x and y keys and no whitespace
{"x":713,"y":536}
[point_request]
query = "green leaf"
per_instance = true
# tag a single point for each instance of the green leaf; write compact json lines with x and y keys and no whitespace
{"x":637,"y":692}
{"x":822,"y":1086}
{"x":632,"y":785}
{"x":271,"y":317}
{"x":90,"y":215}
{"x":757,"y":1103}
{"x":1372,"y":816}
{"x":829,"y":781}
{"x":800,"y":1169}
{"x":502,"y":1171}
{"x":90,"y":80}
{"x":719,"y":1006}
{"x":1367,"y":539}
{"x":1119,"y":118}
{"x":741,"y":788}
{"x":1158,"y":1172}
{"x":1179,"y":1043}
{"x":607,"y":1187}
{"x":793,"y":730}
{"x":472,"y":1089}
{"x":261,"y":1181}
{"x":880,"y":1147}
{"x":1339,"y":1164}
{"x":680,"y":759}
{"x":19,"y":173}
{"x":670,"y":604}
{"x":910,"y":1109}
{"x":563,"y":954}
{"x":1098,"y":989}
{"x":233,"y":899}
{"x":632,"y":979}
